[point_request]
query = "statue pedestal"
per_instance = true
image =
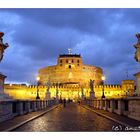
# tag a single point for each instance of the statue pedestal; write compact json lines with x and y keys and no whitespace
{"x":47,"y":95}
{"x":92,"y":95}
{"x":2,"y":78}
{"x":137,"y":75}
{"x":3,"y":96}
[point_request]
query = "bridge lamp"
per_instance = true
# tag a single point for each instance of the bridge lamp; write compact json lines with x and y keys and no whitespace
{"x":103,"y":79}
{"x":37,"y":93}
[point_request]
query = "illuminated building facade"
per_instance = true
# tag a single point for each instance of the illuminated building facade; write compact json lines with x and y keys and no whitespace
{"x":70,"y":79}
{"x":74,"y":91}
{"x":70,"y":70}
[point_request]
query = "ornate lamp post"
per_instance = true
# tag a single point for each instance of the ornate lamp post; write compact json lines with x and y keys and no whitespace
{"x":57,"y":85}
{"x":103,"y":78}
{"x":37,"y":93}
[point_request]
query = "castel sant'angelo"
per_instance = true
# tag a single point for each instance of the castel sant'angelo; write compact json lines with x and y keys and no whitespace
{"x":70,"y":70}
{"x":70,"y":79}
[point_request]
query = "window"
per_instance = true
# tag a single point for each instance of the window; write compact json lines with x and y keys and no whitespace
{"x":66,"y":60}
{"x":60,"y":61}
{"x":77,"y":61}
{"x":69,"y":66}
{"x":72,"y":61}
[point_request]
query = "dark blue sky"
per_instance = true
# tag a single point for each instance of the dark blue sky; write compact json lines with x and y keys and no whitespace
{"x":104,"y":38}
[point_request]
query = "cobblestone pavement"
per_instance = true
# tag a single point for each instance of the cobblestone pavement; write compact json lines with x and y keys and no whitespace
{"x":71,"y":118}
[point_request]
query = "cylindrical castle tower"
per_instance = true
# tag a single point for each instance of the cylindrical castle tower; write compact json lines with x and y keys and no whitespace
{"x":70,"y":70}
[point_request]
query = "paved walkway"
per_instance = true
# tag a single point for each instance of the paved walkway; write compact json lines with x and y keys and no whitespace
{"x":119,"y":118}
{"x":20,"y":120}
{"x":70,"y":118}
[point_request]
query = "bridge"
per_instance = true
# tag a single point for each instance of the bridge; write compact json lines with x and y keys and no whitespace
{"x":85,"y":115}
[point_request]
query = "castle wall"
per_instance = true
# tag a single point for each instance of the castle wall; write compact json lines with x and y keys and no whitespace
{"x":73,"y":91}
{"x":82,"y":75}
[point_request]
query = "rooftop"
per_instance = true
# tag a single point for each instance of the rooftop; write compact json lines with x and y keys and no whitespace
{"x":70,"y":55}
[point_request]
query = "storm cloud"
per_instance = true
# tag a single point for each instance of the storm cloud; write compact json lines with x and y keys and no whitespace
{"x":104,"y":38}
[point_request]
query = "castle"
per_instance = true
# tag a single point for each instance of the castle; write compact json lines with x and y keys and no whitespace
{"x":70,"y":70}
{"x":70,"y":79}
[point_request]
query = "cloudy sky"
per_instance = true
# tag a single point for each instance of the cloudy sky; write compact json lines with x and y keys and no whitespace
{"x":104,"y":38}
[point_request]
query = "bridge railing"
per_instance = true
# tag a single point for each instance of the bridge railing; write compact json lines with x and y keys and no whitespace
{"x":10,"y":109}
{"x":129,"y":107}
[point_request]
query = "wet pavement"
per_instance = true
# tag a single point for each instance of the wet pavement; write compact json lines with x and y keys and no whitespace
{"x":8,"y":125}
{"x":71,"y":118}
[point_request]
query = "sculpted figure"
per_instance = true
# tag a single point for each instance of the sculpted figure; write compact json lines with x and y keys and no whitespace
{"x":2,"y":45}
{"x":48,"y":86}
{"x":137,"y":55}
{"x":91,"y":84}
{"x":137,"y":46}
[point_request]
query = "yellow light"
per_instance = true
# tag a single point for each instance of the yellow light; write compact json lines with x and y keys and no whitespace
{"x":103,"y":78}
{"x":37,"y":78}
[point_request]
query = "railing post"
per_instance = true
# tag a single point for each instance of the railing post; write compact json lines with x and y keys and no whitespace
{"x":95,"y":104}
{"x":98,"y":104}
{"x":48,"y":103}
{"x":111,"y":105}
{"x":20,"y":107}
{"x":105,"y":104}
{"x":101,"y":104}
{"x":28,"y":106}
{"x":120,"y":107}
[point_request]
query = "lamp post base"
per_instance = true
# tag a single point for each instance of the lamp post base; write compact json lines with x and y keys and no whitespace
{"x":103,"y":96}
{"x":37,"y":97}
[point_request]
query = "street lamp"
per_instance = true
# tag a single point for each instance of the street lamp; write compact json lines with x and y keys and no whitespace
{"x":103,"y":78}
{"x":37,"y":93}
{"x":57,"y":85}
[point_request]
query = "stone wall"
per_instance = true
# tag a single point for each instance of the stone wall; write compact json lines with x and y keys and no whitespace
{"x":134,"y":108}
{"x":10,"y":109}
{"x":129,"y":107}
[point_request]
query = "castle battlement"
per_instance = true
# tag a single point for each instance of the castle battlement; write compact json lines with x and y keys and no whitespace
{"x":23,"y":91}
